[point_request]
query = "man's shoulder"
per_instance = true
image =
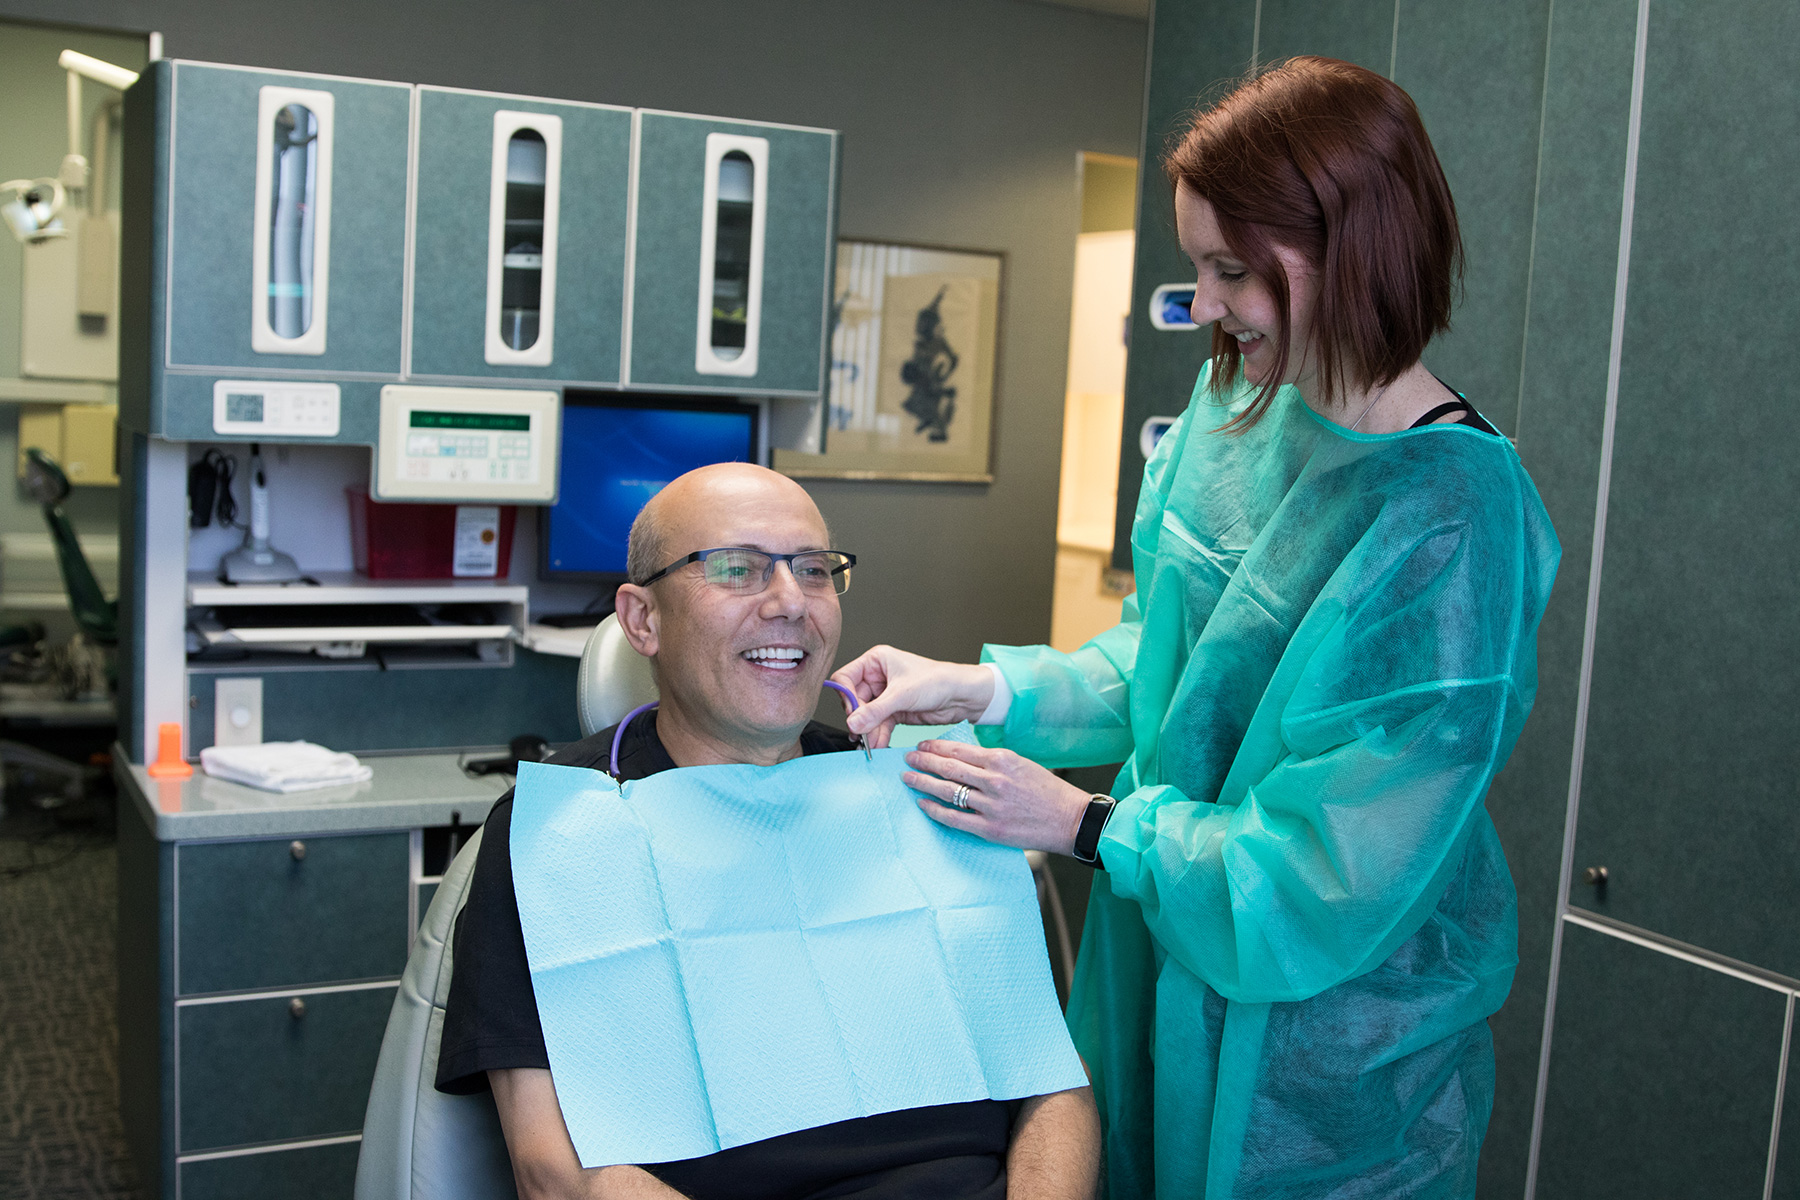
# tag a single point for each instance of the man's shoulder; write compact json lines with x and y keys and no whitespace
{"x":590,"y":751}
{"x":820,"y":738}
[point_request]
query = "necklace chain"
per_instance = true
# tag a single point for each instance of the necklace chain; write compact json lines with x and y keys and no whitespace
{"x":1367,"y":408}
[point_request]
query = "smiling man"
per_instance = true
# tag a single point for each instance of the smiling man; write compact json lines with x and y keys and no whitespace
{"x":734,"y":599}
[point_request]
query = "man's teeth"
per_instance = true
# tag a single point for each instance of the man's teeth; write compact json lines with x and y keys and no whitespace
{"x":781,"y":658}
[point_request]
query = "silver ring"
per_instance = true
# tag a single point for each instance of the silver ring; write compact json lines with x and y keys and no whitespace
{"x":960,"y":798}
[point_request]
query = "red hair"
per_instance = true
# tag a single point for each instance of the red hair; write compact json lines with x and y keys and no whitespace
{"x":1331,"y":161}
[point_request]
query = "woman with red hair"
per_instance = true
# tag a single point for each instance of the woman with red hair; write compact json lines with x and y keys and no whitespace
{"x":1305,"y":916}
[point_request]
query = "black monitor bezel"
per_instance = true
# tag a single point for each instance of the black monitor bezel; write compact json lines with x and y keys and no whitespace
{"x":641,"y":402}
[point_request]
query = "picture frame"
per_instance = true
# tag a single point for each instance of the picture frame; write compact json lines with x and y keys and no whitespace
{"x":914,"y":368}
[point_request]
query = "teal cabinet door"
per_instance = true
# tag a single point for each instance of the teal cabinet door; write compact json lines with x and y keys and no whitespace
{"x":732,"y":257}
{"x":286,"y":913}
{"x":286,"y":236}
{"x":1662,"y":1076}
{"x":519,"y":231}
{"x":278,"y":1068}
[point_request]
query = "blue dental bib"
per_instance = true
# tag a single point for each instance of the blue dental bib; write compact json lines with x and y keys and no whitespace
{"x":726,"y":954}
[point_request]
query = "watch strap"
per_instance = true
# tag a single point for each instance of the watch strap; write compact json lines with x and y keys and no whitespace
{"x":1093,"y":824}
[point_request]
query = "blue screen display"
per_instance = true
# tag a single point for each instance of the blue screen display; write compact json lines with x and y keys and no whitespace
{"x":615,"y":459}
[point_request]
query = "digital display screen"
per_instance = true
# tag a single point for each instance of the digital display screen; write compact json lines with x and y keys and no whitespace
{"x":243,"y":406}
{"x":515,"y":422}
{"x":615,"y":456}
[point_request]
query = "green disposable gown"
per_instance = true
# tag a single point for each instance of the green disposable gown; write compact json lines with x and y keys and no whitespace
{"x":1305,"y":916}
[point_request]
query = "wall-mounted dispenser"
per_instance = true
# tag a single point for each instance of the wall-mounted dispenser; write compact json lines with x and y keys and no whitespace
{"x":1172,"y":307}
{"x":523,"y":214}
{"x":291,"y":258}
{"x":734,"y":215}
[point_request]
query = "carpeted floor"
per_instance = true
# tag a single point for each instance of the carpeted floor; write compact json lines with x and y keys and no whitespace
{"x":59,"y":1108}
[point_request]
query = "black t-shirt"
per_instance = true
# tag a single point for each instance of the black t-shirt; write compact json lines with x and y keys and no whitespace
{"x":491,"y":1022}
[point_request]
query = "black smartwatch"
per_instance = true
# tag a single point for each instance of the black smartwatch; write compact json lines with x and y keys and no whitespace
{"x":1093,"y":824}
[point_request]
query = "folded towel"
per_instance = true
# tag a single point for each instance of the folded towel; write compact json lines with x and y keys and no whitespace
{"x":283,"y":766}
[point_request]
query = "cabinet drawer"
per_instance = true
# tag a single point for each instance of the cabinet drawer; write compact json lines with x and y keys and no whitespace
{"x":286,"y":912}
{"x":278,"y":1068}
{"x":303,"y":1173}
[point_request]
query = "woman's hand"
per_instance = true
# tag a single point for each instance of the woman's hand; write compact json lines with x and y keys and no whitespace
{"x":897,"y":688}
{"x":1011,"y":800}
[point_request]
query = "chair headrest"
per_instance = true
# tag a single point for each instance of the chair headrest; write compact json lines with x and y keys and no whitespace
{"x":614,"y":678}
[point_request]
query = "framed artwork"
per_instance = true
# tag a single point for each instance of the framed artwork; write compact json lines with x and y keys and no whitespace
{"x":913,"y":366}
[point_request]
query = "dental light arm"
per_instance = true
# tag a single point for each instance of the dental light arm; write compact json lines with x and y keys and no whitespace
{"x":34,"y":211}
{"x":80,"y":66}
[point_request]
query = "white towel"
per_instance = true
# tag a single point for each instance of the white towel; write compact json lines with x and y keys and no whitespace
{"x":283,"y":766}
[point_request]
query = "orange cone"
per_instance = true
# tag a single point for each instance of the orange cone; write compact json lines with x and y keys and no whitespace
{"x":169,"y":764}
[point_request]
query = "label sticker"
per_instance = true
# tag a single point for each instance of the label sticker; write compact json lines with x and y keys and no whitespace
{"x":477,"y":548}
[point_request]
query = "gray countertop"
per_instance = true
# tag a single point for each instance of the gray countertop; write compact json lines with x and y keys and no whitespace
{"x":407,"y":791}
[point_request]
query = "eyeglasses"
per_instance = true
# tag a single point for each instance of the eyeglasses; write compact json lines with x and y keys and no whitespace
{"x":747,"y":572}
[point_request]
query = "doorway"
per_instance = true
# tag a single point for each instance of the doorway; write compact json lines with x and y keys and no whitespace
{"x":1088,"y":593}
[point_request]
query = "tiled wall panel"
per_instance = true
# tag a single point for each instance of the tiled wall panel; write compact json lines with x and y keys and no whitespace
{"x":1631,"y":1023}
{"x":1688,"y":793}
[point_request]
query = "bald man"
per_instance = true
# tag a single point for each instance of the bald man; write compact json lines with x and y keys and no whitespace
{"x":733,"y":596}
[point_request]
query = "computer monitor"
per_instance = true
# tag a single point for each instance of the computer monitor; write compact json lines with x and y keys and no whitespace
{"x":617,"y":452}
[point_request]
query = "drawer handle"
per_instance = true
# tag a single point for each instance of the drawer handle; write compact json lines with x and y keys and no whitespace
{"x":1594,"y":877}
{"x":296,"y":1006}
{"x":297,"y":849}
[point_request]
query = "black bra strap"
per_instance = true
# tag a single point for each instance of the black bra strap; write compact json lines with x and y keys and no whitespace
{"x":1447,"y":407}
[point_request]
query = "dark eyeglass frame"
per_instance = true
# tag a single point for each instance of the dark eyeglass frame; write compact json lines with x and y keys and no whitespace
{"x":700,"y":556}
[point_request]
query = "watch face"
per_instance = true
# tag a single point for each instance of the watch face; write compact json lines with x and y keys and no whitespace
{"x":1093,"y":823}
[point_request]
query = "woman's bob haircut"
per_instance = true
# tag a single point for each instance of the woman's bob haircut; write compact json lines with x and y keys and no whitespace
{"x":1331,"y":161}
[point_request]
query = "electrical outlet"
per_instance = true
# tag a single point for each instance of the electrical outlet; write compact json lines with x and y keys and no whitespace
{"x":237,"y":712}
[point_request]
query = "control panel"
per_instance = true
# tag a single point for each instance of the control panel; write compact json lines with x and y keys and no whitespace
{"x":444,"y":443}
{"x":265,"y":408}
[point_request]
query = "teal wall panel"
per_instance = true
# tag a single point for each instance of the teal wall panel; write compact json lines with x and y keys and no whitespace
{"x":450,"y":250}
{"x":213,"y":178}
{"x":366,"y":708}
{"x":1476,"y":72}
{"x":1629,"y":1023}
{"x":797,"y":256}
{"x":306,"y":1173}
{"x":1688,"y":790}
{"x":1786,"y":1182}
{"x":1562,"y":390}
{"x":1356,"y":31}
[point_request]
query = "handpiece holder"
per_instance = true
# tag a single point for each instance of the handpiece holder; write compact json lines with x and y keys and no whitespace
{"x":256,"y":561}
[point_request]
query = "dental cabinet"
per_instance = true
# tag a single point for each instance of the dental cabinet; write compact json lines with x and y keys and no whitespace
{"x":387,"y":287}
{"x":300,"y":241}
{"x":261,"y":942}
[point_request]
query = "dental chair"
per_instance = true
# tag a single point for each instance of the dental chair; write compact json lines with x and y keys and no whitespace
{"x":417,"y":1141}
{"x":421,"y":1144}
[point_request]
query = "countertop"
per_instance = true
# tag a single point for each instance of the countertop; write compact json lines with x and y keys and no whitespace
{"x":406,"y":792}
